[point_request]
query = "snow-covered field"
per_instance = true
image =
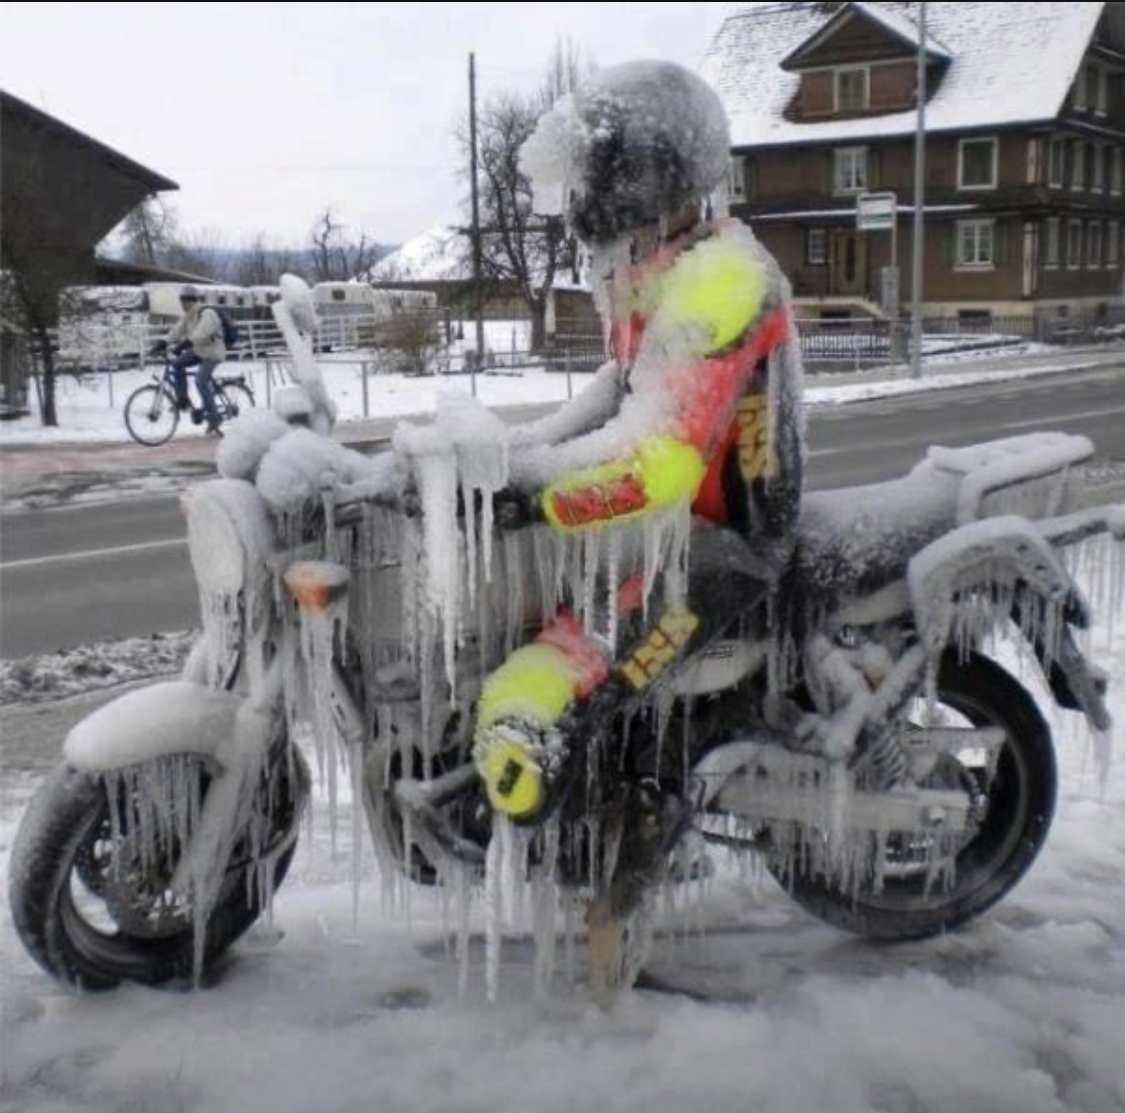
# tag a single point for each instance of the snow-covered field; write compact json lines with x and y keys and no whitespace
{"x":1022,"y":1012}
{"x":86,"y":415}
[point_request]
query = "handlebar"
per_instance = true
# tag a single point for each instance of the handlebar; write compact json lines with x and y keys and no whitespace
{"x":512,"y":508}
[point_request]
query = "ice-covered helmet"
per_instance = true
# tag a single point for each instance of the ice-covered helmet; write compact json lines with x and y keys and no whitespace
{"x":636,"y":142}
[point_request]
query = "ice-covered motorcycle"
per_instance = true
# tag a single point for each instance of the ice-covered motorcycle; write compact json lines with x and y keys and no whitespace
{"x":857,"y":732}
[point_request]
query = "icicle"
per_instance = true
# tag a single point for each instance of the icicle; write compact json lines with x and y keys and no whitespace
{"x":590,"y":557}
{"x":545,"y":904}
{"x":613,"y":574}
{"x":497,"y":854}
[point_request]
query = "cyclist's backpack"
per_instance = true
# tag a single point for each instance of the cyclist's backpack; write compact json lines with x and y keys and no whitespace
{"x":230,"y":329}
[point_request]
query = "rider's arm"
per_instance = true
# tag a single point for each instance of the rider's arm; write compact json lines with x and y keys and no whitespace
{"x":591,"y":408}
{"x":177,"y":332}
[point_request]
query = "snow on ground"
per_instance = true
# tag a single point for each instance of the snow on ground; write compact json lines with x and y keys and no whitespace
{"x":52,"y":676}
{"x":85,"y":413}
{"x":1021,"y":1012}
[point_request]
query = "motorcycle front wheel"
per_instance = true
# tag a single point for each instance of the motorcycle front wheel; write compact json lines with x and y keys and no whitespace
{"x":1014,"y":806}
{"x":92,"y":904}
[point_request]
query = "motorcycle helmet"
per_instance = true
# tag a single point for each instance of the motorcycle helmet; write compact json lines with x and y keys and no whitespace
{"x":637,"y":142}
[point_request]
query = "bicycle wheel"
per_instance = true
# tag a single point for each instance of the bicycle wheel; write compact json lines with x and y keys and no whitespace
{"x":151,"y":415}
{"x":233,"y":398}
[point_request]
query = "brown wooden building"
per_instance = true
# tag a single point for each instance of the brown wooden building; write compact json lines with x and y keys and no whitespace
{"x":1024,"y":202}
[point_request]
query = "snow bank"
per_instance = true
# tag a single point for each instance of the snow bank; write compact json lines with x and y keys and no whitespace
{"x":1019,"y":1013}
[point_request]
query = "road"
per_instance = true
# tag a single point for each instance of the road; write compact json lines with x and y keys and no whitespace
{"x":76,"y":575}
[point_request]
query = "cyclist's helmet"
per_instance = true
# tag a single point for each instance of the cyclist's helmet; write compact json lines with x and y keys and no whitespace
{"x":637,"y":142}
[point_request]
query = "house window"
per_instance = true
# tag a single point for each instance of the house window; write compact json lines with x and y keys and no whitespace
{"x":1102,"y":93}
{"x":1113,"y":245}
{"x":1115,"y":176}
{"x":1078,"y":165}
{"x":851,"y":169}
{"x":975,"y":245}
{"x":1073,"y":245}
{"x":1051,"y":255}
{"x":1080,"y":91}
{"x":853,"y":89}
{"x":817,"y":247}
{"x":1094,"y":245}
{"x":977,"y":163}
{"x":1058,"y":163}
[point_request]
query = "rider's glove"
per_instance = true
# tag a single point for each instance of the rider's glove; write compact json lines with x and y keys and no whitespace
{"x":513,"y":508}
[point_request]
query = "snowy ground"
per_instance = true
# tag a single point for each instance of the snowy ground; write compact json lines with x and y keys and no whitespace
{"x":1020,"y":1013}
{"x":85,"y":413}
{"x":87,"y":416}
{"x":52,"y":676}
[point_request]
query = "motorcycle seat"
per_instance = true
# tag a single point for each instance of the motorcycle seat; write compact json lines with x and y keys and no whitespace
{"x":854,"y":541}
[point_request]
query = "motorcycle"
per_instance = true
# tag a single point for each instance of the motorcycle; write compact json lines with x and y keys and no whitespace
{"x":857,"y":733}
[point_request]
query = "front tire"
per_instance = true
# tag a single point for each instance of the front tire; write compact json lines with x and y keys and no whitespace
{"x":151,"y":415}
{"x":69,"y":869}
{"x":1012,"y":831}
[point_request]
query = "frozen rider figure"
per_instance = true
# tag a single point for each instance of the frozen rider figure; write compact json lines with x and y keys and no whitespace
{"x":699,"y":403}
{"x":196,"y":341}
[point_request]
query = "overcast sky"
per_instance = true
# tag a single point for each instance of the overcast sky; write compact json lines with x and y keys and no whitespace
{"x":265,"y":113}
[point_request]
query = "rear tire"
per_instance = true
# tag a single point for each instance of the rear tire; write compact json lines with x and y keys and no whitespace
{"x":151,"y":415}
{"x":62,"y":870}
{"x":1012,"y":831}
{"x":239,"y":399}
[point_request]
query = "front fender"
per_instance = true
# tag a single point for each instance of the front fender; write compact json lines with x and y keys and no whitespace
{"x":176,"y":717}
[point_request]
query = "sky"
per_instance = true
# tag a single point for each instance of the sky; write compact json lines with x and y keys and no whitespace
{"x":266,"y":113}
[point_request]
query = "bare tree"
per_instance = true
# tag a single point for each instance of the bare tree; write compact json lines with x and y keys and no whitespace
{"x":148,"y":233}
{"x":520,"y":248}
{"x":325,"y":238}
{"x":334,"y":257}
{"x":203,"y":253}
{"x":30,"y":283}
{"x":255,"y":264}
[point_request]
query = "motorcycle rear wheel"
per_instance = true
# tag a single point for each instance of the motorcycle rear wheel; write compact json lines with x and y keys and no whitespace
{"x":1008,"y":837}
{"x":68,"y":906}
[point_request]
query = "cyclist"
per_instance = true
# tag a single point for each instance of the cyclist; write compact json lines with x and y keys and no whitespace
{"x":197,"y":341}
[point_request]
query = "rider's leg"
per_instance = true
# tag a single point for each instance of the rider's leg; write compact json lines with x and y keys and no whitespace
{"x":207,"y":391}
{"x":180,"y":365}
{"x":548,"y":695}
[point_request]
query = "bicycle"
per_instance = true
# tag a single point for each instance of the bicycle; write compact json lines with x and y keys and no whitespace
{"x":152,"y":415}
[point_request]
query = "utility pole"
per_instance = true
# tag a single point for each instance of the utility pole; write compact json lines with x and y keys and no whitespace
{"x":478,"y":293}
{"x":919,"y":203}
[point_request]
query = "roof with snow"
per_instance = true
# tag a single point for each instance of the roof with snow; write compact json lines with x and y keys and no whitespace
{"x":1009,"y":64}
{"x":442,"y":254}
{"x":439,"y":254}
{"x":896,"y":24}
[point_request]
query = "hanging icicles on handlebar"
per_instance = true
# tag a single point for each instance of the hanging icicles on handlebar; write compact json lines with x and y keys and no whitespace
{"x":572,"y":654}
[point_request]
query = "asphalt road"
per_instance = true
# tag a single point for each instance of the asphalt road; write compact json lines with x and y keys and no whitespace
{"x":76,"y":575}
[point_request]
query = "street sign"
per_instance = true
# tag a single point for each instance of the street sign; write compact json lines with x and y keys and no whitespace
{"x":876,"y":212}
